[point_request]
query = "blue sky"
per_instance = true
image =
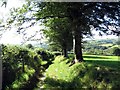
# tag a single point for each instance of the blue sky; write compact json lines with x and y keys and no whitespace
{"x":12,"y":37}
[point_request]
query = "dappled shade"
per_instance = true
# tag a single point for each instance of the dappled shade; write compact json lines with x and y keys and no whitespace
{"x":90,"y":74}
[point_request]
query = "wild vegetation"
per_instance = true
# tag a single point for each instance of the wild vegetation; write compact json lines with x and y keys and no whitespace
{"x":70,"y":62}
{"x":24,"y":67}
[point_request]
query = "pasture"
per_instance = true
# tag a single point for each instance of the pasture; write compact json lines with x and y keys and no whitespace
{"x":108,"y":61}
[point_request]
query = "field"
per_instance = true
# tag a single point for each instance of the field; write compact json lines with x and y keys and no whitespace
{"x":110,"y":61}
{"x":107,"y":45}
{"x":101,"y":57}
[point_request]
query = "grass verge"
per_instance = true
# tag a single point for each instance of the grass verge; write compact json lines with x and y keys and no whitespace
{"x":89,"y":74}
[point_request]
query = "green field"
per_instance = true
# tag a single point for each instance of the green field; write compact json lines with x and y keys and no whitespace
{"x":101,"y":57}
{"x":107,"y":45}
{"x":109,"y":61}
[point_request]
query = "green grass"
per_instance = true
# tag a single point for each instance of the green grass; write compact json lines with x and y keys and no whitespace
{"x":107,"y":45}
{"x":108,"y":61}
{"x":115,"y":46}
{"x":97,"y":72}
{"x":101,"y":57}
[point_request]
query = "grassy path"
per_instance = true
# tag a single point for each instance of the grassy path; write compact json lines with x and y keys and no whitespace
{"x":107,"y":71}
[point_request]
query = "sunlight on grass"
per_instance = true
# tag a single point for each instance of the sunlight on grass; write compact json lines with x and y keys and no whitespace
{"x":115,"y":46}
{"x":100,"y":57}
{"x":81,"y":75}
{"x":107,"y":45}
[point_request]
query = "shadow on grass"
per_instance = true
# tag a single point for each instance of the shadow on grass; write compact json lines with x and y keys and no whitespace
{"x":97,"y":57}
{"x":95,"y":78}
{"x":111,"y":64}
{"x":95,"y":74}
{"x":54,"y":84}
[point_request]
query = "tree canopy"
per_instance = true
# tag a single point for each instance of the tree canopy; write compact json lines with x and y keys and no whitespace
{"x":59,"y":34}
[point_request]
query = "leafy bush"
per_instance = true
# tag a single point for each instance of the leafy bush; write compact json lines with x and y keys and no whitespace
{"x":30,"y":46}
{"x":20,"y":63}
{"x":14,"y":59}
{"x":116,"y":51}
{"x":46,"y":56}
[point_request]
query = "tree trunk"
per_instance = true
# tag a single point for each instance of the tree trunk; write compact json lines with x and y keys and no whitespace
{"x":65,"y":52}
{"x":77,"y":39}
{"x":78,"y":46}
{"x":23,"y":66}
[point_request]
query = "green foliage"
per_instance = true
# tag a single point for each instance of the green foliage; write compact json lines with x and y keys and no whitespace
{"x":100,"y":47}
{"x":81,"y":75}
{"x":59,"y":34}
{"x":46,"y":56}
{"x":20,"y":63}
{"x":22,"y":78}
{"x":13,"y":58}
{"x":116,"y":51}
{"x":96,"y":72}
{"x":56,"y":53}
{"x":77,"y":19}
{"x":29,"y":46}
{"x":118,"y":41}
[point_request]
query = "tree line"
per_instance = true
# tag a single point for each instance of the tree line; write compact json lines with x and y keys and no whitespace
{"x":102,"y":47}
{"x":68,"y":23}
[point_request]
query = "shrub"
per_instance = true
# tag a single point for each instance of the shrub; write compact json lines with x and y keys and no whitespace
{"x":14,"y":59}
{"x":116,"y":51}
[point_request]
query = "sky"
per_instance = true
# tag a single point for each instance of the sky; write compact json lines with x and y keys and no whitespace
{"x":12,"y":37}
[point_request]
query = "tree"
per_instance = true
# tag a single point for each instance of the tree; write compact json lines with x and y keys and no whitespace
{"x":59,"y":34}
{"x":30,"y":46}
{"x":118,"y":42}
{"x":84,"y":17}
{"x":116,"y":51}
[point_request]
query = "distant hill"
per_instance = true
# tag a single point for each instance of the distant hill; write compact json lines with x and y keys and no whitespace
{"x":101,"y":46}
